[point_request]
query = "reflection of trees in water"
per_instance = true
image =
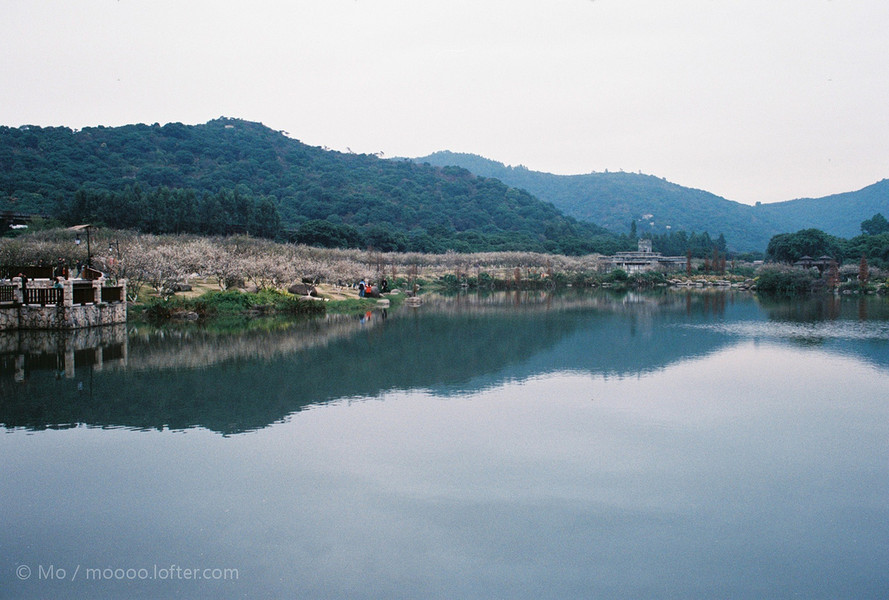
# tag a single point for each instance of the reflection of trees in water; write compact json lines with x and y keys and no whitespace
{"x":151,"y":348}
{"x":535,"y":300}
{"x":144,"y":347}
{"x":181,"y":378}
{"x":825,"y":307}
{"x":160,"y":348}
{"x":258,"y":379}
{"x":169,"y":348}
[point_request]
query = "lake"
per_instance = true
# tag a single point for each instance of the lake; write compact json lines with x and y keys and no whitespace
{"x":516,"y":445}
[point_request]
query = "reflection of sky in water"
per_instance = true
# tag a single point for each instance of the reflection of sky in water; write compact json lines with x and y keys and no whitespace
{"x":645,"y":453}
{"x":753,"y":471}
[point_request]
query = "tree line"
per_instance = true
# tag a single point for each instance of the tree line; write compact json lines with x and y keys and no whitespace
{"x":682,"y":243}
{"x":873,"y":244}
{"x":164,"y":210}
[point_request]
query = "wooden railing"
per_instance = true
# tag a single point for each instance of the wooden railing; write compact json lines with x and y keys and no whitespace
{"x":112,"y":294}
{"x":43,"y":296}
{"x":83,"y":294}
{"x":91,"y":274}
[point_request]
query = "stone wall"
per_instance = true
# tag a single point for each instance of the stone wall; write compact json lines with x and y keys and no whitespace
{"x":68,"y":315}
{"x":103,"y":346}
{"x":61,"y":317}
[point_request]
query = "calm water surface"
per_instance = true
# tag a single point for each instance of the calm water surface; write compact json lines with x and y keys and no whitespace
{"x":520,"y":446}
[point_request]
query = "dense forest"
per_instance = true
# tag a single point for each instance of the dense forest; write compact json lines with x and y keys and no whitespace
{"x":166,"y":210}
{"x":656,"y":206}
{"x":230,"y":175}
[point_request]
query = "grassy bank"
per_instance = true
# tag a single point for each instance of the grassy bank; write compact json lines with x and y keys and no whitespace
{"x":238,"y":304}
{"x":228,"y":303}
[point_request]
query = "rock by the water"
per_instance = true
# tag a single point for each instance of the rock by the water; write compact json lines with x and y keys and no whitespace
{"x":302,"y":289}
{"x":187,"y":315}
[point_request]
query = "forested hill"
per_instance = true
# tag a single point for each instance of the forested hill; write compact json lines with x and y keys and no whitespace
{"x":228,"y":174}
{"x":840,"y":214}
{"x":614,"y":200}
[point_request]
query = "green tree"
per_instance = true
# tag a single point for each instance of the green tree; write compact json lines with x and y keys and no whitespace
{"x":213,"y":220}
{"x":268,"y":221}
{"x":875,"y":225}
{"x":790,"y":247}
{"x":328,"y":235}
{"x":384,"y":239}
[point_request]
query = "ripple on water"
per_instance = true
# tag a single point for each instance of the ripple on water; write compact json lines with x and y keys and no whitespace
{"x":821,"y":330}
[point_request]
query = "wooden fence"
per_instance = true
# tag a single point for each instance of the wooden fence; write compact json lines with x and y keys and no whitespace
{"x":43,"y":296}
{"x":112,"y":294}
{"x":83,"y":293}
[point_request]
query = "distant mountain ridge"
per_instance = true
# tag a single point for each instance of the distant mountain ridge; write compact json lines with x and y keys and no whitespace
{"x":843,"y":212}
{"x":459,"y":201}
{"x":614,"y":200}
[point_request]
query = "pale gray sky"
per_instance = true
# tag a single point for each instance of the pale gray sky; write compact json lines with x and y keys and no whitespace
{"x":754,"y":100}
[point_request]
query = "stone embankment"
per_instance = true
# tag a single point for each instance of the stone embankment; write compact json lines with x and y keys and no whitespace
{"x":63,"y":304}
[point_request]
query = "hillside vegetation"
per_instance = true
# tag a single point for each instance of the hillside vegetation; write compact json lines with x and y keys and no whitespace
{"x":233,"y":176}
{"x":840,"y":214}
{"x":615,"y":200}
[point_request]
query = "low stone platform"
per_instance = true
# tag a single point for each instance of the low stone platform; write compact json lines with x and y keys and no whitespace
{"x":74,"y":304}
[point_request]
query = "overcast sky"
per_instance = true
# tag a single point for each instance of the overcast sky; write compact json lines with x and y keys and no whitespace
{"x":754,"y":100}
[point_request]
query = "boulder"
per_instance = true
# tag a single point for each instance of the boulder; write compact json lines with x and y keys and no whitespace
{"x":302,"y":289}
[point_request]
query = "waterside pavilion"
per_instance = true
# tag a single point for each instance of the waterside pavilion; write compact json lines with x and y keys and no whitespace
{"x":45,"y":302}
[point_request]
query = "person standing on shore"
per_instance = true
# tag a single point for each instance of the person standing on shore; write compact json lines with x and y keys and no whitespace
{"x":61,"y":269}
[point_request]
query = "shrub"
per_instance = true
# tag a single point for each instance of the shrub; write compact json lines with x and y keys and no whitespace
{"x":648,"y":279}
{"x":449,"y":281}
{"x":617,"y":275}
{"x":485,"y":280}
{"x":786,"y":280}
{"x":584,"y":279}
{"x":164,"y":309}
{"x":157,"y":311}
{"x":229,"y":300}
{"x":296,"y":306}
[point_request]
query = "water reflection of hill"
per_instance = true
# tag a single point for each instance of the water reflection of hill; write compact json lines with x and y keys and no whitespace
{"x":240,"y":382}
{"x":857,"y":326}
